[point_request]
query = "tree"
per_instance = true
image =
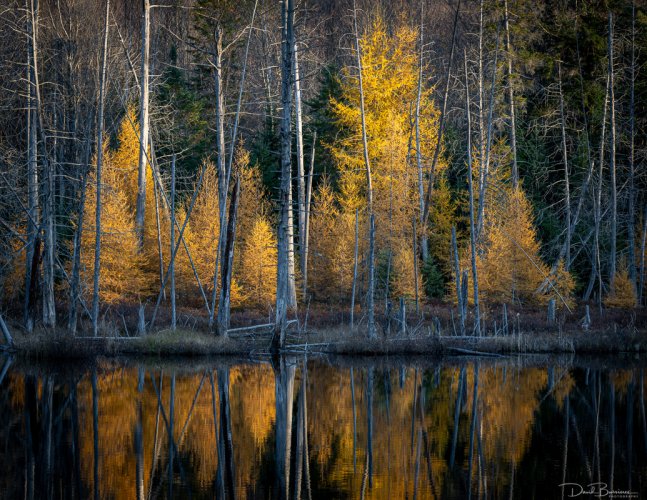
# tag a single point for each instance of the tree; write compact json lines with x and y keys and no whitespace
{"x":257,"y":271}
{"x":122,"y":274}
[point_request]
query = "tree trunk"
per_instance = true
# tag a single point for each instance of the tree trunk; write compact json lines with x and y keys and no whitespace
{"x":352,"y":297}
{"x":78,"y":234}
{"x":369,"y":189}
{"x":49,"y":307}
{"x":457,"y":273}
{"x":228,"y":262}
{"x":97,"y":212}
{"x":631,"y":223}
{"x":424,"y":243}
{"x":283,"y":258}
{"x":567,"y":189}
{"x":415,"y":266}
{"x":598,"y":202}
{"x":32,"y":183}
{"x":307,"y":222}
{"x":643,"y":247}
{"x":301,"y":187}
{"x":172,"y":240}
{"x":475,"y":282}
{"x":485,"y":169}
{"x":513,"y":127}
{"x":612,"y":161}
{"x":441,"y":124}
{"x":143,"y":123}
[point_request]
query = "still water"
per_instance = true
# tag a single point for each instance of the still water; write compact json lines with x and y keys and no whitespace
{"x":417,"y":428}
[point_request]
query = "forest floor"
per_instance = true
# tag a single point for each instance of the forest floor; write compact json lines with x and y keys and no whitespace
{"x":326,"y":331}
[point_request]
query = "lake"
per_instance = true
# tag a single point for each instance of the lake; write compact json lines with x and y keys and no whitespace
{"x":505,"y":427}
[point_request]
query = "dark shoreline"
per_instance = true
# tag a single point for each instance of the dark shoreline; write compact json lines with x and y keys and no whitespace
{"x":328,"y":342}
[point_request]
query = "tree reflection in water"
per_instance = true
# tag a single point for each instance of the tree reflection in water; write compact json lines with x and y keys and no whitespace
{"x":293,"y":428}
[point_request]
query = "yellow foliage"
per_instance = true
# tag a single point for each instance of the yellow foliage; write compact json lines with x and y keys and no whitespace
{"x":332,"y":247}
{"x":622,"y":295}
{"x":201,"y":236}
{"x":122,"y":274}
{"x":508,"y":261}
{"x":125,"y":164}
{"x":257,"y":272}
{"x":390,"y":83}
{"x":441,"y":219}
{"x":561,"y":286}
{"x":403,"y":283}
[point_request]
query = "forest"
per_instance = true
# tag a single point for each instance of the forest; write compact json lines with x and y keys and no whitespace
{"x":211,"y":164}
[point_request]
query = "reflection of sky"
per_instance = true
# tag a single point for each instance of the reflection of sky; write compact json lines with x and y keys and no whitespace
{"x":420,"y":420}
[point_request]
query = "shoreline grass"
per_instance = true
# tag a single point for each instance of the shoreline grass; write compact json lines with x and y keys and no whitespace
{"x":334,"y":341}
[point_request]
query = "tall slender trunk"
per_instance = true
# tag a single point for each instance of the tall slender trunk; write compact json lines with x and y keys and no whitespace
{"x":441,"y":126}
{"x":355,"y":257}
{"x":598,"y":200}
{"x":424,"y":242}
{"x":457,"y":273}
{"x":485,"y":169}
{"x":224,"y":304}
{"x":292,"y":289}
{"x":49,"y":307}
{"x":372,"y":333}
{"x":223,"y":187}
{"x":643,"y":248}
{"x":612,"y":161}
{"x":475,"y":281}
{"x":97,"y":212}
{"x":283,"y":258}
{"x":75,"y":278}
{"x":301,"y":187}
{"x":567,"y":189}
{"x":481,"y":123}
{"x":513,"y":126}
{"x":306,"y":248}
{"x":631,"y":223}
{"x":172,"y":240}
{"x":32,"y":183}
{"x":143,"y":123}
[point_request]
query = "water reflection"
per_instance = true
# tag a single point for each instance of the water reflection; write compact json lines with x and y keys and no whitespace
{"x":291,"y":429}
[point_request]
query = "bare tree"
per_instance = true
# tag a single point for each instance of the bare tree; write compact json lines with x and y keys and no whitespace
{"x":143,"y":122}
{"x":612,"y":161}
{"x":631,"y":223}
{"x":224,"y":305}
{"x":567,"y":189}
{"x":49,"y":305}
{"x":475,"y":281}
{"x":97,"y":212}
{"x":283,"y":258}
{"x":510,"y":96}
{"x":369,"y":188}
{"x":31,"y":272}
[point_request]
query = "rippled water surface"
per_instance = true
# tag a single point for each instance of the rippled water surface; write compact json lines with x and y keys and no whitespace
{"x":493,"y":428}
